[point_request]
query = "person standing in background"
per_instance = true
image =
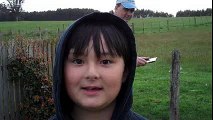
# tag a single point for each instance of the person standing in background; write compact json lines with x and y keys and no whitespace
{"x":125,"y":10}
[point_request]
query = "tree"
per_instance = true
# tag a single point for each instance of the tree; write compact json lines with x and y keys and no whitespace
{"x":15,"y":8}
{"x":4,"y":12}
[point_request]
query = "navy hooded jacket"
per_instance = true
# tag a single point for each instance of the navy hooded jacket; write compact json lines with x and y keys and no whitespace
{"x":124,"y":100}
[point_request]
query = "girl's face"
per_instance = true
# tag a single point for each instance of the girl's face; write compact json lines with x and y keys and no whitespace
{"x":93,"y":83}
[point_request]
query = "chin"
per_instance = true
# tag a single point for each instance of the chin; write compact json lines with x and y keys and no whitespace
{"x":93,"y":106}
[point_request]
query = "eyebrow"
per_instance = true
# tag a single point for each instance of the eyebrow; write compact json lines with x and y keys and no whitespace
{"x":102,"y":53}
{"x":130,"y":9}
{"x":105,"y":54}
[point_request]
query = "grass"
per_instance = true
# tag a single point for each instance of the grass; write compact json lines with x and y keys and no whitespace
{"x":152,"y":82}
{"x":145,"y":25}
{"x":24,"y":26}
{"x":162,"y":24}
{"x":32,"y":29}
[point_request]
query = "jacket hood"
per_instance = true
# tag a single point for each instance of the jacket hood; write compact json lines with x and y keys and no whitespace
{"x":124,"y":99}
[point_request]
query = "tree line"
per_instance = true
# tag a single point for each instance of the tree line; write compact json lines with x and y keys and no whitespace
{"x":192,"y":13}
{"x":149,"y":13}
{"x":8,"y":14}
{"x":57,"y":15}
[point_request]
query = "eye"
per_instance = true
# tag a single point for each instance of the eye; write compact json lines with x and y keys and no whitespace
{"x":77,"y":61}
{"x":132,"y":10}
{"x":106,"y":62}
{"x":126,"y":9}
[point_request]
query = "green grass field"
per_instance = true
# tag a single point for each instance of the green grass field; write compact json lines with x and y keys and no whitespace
{"x":145,"y":25}
{"x":152,"y":82}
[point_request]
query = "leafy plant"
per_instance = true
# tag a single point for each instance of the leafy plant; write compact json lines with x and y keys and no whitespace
{"x":36,"y":85}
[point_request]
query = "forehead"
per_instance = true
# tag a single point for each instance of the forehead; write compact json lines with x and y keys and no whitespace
{"x":102,"y":43}
{"x":126,"y":9}
{"x":100,"y":46}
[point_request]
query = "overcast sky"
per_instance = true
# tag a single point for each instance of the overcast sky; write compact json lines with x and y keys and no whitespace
{"x":169,"y":6}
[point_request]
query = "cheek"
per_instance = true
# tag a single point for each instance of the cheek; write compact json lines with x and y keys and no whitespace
{"x":71,"y":77}
{"x":114,"y":80}
{"x":113,"y":86}
{"x":67,"y":74}
{"x":71,"y":74}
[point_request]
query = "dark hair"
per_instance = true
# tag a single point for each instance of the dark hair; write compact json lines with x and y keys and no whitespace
{"x":114,"y":38}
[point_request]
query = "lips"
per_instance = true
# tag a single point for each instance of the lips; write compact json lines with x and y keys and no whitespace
{"x":91,"y":90}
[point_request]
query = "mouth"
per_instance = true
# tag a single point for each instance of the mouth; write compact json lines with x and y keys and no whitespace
{"x":91,"y":90}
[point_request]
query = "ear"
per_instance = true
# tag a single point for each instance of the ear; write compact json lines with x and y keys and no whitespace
{"x":116,"y":7}
{"x":125,"y":74}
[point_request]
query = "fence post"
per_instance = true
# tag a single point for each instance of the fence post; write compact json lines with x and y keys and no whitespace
{"x":168,"y":25}
{"x":19,"y":32}
{"x":201,"y":20}
{"x":10,"y":32}
{"x":183,"y":22}
{"x":207,"y":22}
{"x":189,"y":22}
{"x":195,"y":21}
{"x":174,"y":87}
{"x":39,"y":29}
{"x":58,"y":31}
{"x":63,"y":27}
{"x":143,"y":27}
{"x":159,"y":26}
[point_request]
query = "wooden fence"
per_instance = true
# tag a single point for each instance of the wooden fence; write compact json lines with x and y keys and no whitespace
{"x":144,"y":25}
{"x":156,"y":25}
{"x":10,"y":91}
{"x":174,"y":86}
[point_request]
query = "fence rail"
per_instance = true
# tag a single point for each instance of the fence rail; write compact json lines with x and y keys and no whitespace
{"x":144,"y":25}
{"x":156,"y":25}
{"x":11,"y":91}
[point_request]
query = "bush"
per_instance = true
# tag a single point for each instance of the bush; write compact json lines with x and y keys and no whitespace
{"x":32,"y":72}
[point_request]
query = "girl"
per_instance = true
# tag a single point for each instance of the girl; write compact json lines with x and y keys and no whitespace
{"x":94,"y":70}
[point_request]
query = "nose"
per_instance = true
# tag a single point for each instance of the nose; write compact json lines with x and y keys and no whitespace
{"x":92,"y":72}
{"x":129,"y":13}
